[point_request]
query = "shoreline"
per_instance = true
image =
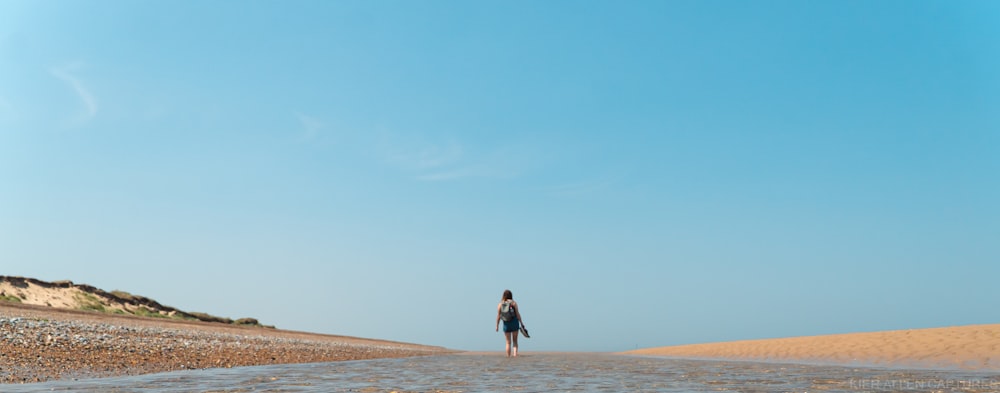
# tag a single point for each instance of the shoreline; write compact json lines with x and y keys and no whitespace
{"x":968,"y":348}
{"x":40,"y":344}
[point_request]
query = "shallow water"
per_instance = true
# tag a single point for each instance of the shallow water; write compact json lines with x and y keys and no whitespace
{"x":535,"y":373}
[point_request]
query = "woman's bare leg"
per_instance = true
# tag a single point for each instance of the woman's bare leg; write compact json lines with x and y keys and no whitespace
{"x":507,"y":335}
{"x":514,"y":334}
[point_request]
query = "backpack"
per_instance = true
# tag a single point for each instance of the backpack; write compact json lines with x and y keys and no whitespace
{"x":507,"y":312}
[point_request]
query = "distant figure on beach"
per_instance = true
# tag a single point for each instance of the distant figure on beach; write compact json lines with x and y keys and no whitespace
{"x":510,"y":314}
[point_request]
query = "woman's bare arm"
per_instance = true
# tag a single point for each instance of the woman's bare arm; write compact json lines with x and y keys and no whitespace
{"x":498,"y":317}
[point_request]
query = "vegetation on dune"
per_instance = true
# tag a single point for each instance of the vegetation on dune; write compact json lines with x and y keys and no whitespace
{"x":120,"y":302}
{"x":211,"y":318}
{"x":89,"y":302}
{"x":124,"y":295}
{"x":6,"y":298}
{"x":145,"y":312}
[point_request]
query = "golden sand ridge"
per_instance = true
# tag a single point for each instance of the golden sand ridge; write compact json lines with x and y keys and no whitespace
{"x":973,"y":347}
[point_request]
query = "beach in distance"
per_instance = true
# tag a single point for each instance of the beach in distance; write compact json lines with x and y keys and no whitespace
{"x":40,"y":343}
{"x":973,"y":347}
{"x":62,"y":330}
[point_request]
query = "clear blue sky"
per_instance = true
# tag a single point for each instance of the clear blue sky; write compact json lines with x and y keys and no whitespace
{"x":638,"y":173}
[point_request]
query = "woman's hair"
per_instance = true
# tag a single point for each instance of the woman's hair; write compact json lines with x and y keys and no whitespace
{"x":507,"y":295}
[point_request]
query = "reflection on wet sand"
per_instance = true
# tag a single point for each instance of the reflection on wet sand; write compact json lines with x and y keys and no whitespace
{"x":566,"y":372}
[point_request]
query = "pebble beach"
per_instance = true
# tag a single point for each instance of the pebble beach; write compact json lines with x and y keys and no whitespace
{"x":39,"y":344}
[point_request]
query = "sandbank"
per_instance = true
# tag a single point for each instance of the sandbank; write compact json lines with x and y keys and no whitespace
{"x":973,"y":347}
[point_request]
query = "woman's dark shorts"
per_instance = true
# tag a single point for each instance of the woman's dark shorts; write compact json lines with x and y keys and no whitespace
{"x":511,"y":326}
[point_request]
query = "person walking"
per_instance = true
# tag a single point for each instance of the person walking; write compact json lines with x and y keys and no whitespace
{"x":510,"y":314}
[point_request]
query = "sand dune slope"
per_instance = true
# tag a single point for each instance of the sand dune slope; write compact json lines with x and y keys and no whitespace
{"x":71,"y":296}
{"x":975,"y":347}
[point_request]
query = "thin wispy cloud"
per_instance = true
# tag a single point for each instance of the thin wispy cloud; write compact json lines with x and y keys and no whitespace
{"x":436,"y":156}
{"x":448,"y":160}
{"x":447,"y":175}
{"x":586,"y":186}
{"x":420,"y":156}
{"x":6,"y":109}
{"x":471,"y":171}
{"x":497,"y":164}
{"x":310,"y":125}
{"x":65,"y":74}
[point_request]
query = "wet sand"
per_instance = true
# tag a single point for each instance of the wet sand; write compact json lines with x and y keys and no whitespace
{"x":534,"y":372}
{"x":40,"y":343}
{"x":974,"y":347}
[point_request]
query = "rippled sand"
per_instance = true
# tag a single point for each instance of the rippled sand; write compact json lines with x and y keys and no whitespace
{"x":535,"y":373}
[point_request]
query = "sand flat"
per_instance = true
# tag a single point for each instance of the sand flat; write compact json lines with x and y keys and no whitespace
{"x":973,"y":347}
